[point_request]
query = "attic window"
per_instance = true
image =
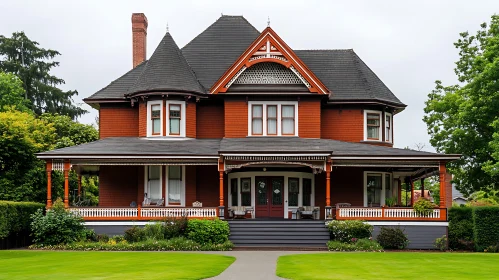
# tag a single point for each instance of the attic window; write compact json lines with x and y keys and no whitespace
{"x":268,"y":73}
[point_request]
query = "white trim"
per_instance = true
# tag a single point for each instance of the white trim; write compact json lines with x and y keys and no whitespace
{"x":391,"y":127}
{"x":121,"y":223}
{"x":290,"y":154}
{"x":149,"y":123}
{"x":391,"y":223}
{"x":383,"y":185}
{"x":264,"y":116}
{"x":381,"y":126}
{"x":435,"y":158}
{"x":182,"y":190}
{"x":285,"y":174}
{"x":182,"y":117}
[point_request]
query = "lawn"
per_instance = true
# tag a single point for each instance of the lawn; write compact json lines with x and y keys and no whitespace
{"x":23,"y":264}
{"x":389,"y":265}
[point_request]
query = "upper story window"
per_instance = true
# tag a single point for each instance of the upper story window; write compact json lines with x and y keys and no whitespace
{"x":166,"y":118}
{"x":378,"y":126}
{"x":273,"y":118}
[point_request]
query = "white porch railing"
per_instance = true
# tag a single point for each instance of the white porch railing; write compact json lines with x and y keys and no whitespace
{"x":153,"y":213}
{"x":364,"y":213}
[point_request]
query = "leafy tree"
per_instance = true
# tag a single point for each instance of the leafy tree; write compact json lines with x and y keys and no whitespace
{"x":70,"y":133}
{"x":463,"y":118}
{"x":12,"y":93}
{"x":21,"y":56}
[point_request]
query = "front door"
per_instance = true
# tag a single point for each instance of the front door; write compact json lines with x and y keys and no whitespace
{"x":269,"y":197}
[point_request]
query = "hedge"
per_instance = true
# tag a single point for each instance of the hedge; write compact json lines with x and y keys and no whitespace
{"x":15,"y":216}
{"x":461,"y":228}
{"x":485,"y":227}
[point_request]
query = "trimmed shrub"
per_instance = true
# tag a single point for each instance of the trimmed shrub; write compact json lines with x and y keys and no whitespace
{"x":174,"y":227}
{"x":461,"y":228}
{"x":154,"y":231}
{"x":174,"y":244}
{"x":485,"y":227}
{"x":441,"y":243}
{"x":392,"y":238}
{"x":423,"y":207}
{"x":57,"y":226}
{"x":208,"y":231}
{"x":344,"y":231}
{"x":89,"y":235}
{"x":15,"y":217}
{"x":134,"y":234}
{"x":360,"y":245}
{"x":102,"y":238}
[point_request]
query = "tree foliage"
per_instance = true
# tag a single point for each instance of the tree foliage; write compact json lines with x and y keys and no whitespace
{"x":12,"y":93}
{"x":23,"y":57}
{"x":464,"y":119}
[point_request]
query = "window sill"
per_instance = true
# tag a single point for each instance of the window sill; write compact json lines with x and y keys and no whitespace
{"x":379,"y":143}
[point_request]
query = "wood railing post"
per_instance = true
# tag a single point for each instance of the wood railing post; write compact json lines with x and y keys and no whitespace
{"x":139,"y":214}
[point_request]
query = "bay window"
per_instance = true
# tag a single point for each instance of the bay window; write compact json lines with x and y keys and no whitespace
{"x":272,"y":118}
{"x":373,"y":124}
{"x":166,"y":118}
{"x":378,"y":126}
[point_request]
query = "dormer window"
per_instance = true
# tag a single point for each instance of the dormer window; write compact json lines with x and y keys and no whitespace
{"x":272,"y":118}
{"x":378,"y":126}
{"x":166,"y":118}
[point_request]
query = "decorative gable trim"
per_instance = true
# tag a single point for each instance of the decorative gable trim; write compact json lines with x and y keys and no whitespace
{"x":269,"y":47}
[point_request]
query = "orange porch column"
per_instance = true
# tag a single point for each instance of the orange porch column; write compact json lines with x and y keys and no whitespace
{"x":48,"y":169}
{"x":329,"y":209}
{"x":67,"y":166}
{"x":221,"y":206}
{"x":442,"y":171}
{"x":412,"y":192}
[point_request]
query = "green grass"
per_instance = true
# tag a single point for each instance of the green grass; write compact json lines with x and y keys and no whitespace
{"x":23,"y":264}
{"x":389,"y":266}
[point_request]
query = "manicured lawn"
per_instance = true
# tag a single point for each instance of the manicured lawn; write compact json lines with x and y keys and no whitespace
{"x":389,"y":266}
{"x":110,"y":265}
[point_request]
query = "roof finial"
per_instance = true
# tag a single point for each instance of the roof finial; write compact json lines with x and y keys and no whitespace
{"x":268,"y":21}
{"x":167,"y":28}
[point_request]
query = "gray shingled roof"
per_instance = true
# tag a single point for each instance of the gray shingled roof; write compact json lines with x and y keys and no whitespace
{"x":213,"y":51}
{"x":121,"y":146}
{"x":167,"y":70}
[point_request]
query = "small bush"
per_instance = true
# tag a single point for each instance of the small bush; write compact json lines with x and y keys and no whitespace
{"x":58,"y":226}
{"x":154,"y":231}
{"x":134,"y":234}
{"x":208,"y":231}
{"x":364,"y":245}
{"x":423,"y":207}
{"x":461,"y":228}
{"x":344,"y":231}
{"x":392,"y":238}
{"x":175,"y":227}
{"x":118,"y":238}
{"x":89,"y":235}
{"x":492,"y":249}
{"x":102,"y":238}
{"x":441,"y":243}
{"x":485,"y":227}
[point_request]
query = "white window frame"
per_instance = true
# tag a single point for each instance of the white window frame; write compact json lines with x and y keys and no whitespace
{"x":182,"y":190}
{"x":182,"y":118}
{"x":279,"y":117}
{"x":381,"y":126}
{"x":149,"y":122}
{"x":146,"y":180}
{"x":391,"y":127}
{"x":383,"y":185}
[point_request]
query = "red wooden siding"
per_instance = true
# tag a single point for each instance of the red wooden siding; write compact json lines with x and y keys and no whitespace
{"x":343,"y":125}
{"x":142,"y":119}
{"x":210,"y":121}
{"x":190,"y":185}
{"x":117,"y":185}
{"x":309,"y":118}
{"x":207,"y":185}
{"x":236,"y":118}
{"x":118,"y":121}
{"x":190,"y":119}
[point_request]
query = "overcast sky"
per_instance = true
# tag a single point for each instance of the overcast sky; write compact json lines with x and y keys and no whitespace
{"x":409,"y":45}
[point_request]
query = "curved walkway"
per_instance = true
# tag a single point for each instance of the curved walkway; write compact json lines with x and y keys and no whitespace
{"x":254,"y":264}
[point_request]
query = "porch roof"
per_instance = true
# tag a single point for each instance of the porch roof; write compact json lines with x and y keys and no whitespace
{"x":168,"y":148}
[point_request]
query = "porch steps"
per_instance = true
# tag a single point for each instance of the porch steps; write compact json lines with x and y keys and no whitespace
{"x":298,"y":234}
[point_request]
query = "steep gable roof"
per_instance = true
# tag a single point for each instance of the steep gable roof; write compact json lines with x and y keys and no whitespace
{"x":167,"y":70}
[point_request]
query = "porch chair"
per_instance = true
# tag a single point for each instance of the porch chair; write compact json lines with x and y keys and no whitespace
{"x":239,"y":211}
{"x":340,"y":205}
{"x":309,"y":212}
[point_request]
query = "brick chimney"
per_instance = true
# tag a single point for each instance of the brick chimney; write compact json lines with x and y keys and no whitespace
{"x":139,"y":33}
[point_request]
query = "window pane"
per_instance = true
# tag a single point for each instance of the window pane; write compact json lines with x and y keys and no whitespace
{"x":272,"y":126}
{"x":373,"y":132}
{"x":175,"y":172}
{"x":271,"y":111}
{"x":175,"y":111}
{"x":245,"y":199}
{"x":156,"y":126}
{"x":257,"y":111}
{"x":288,"y":111}
{"x":374,"y":189}
{"x":307,"y":192}
{"x":257,"y":126}
{"x":288,"y":126}
{"x":174,"y":184}
{"x":154,"y":172}
{"x":154,"y":186}
{"x":388,"y":128}
{"x":233,"y":191}
{"x":155,"y":111}
{"x":277,"y":194}
{"x":388,"y":183}
{"x":174,"y":126}
{"x":293,"y":191}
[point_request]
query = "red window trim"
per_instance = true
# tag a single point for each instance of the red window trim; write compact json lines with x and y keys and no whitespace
{"x":283,"y":118}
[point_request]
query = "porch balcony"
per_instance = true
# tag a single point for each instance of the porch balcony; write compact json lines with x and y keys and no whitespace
{"x":143,"y":213}
{"x":389,"y":214}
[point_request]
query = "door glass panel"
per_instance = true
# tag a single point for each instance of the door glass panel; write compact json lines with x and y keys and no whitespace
{"x":307,"y":192}
{"x":277,"y":187}
{"x":293,"y":191}
{"x":261,"y":187}
{"x":245,"y":191}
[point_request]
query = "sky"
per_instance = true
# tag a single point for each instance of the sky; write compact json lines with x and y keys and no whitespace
{"x":408,"y":44}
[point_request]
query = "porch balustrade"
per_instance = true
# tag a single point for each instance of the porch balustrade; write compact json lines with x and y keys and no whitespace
{"x":381,"y":214}
{"x":153,"y":213}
